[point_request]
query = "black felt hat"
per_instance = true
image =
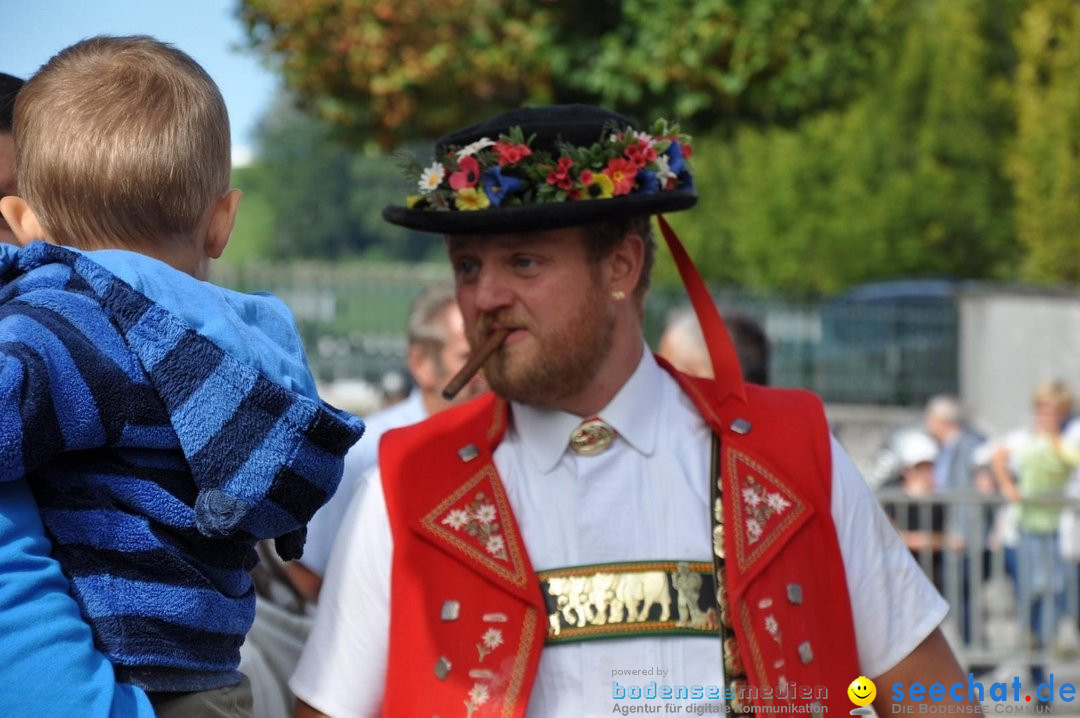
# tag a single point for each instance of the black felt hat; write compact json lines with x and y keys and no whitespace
{"x":551,"y":128}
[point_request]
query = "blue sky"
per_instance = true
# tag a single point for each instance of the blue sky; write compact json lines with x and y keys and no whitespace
{"x":208,"y":30}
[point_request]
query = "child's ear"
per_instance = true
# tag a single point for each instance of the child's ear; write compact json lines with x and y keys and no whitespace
{"x":22,"y":220}
{"x":222,"y":220}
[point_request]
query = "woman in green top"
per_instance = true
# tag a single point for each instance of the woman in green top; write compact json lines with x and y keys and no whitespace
{"x":1043,"y":462}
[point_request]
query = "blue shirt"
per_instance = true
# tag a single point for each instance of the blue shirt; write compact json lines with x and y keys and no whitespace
{"x":50,"y":666}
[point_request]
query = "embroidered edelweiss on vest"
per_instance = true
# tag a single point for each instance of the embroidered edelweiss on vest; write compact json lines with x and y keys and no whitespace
{"x":478,"y":696}
{"x":492,"y":639}
{"x":765,"y":508}
{"x":760,"y":506}
{"x":480,"y":520}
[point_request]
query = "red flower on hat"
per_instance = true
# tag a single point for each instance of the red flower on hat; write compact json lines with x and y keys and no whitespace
{"x":511,"y":153}
{"x":622,"y":174}
{"x":560,"y":176}
{"x":640,"y":154}
{"x":468,"y":173}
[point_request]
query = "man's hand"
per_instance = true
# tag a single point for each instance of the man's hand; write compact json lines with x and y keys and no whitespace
{"x":304,"y":580}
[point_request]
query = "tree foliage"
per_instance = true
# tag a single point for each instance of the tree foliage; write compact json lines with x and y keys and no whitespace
{"x":1045,"y":163}
{"x":960,"y":157}
{"x":308,"y":196}
{"x":397,"y":70}
{"x":907,"y":181}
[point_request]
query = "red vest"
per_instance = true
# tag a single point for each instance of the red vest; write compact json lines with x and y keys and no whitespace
{"x":785,"y":576}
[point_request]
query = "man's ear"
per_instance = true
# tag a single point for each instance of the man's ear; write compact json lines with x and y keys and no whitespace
{"x":222,"y":221}
{"x":625,"y":264}
{"x":421,"y":367}
{"x":22,"y":220}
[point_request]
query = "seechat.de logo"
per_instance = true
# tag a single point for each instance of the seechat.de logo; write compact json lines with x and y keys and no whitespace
{"x":862,"y":693}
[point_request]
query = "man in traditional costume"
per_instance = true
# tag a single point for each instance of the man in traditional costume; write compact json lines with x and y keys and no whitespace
{"x":602,"y":532}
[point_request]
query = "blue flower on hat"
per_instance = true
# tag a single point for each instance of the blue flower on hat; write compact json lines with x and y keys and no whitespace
{"x":677,"y":164}
{"x":676,"y":161}
{"x":648,"y":182}
{"x":498,"y":186}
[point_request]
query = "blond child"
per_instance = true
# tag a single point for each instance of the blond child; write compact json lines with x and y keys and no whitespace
{"x":163,"y":424}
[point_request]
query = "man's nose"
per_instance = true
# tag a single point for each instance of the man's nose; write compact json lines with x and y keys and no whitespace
{"x":492,"y":291}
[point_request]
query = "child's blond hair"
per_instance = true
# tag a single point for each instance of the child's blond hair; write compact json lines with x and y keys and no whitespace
{"x":1054,"y":392}
{"x":121,"y":140}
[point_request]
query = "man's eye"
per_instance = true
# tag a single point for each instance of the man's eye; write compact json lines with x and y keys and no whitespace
{"x":525,"y":264}
{"x":465,"y":267}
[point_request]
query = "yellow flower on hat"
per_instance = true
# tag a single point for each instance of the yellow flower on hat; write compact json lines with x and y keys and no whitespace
{"x":412,"y":200}
{"x":471,"y":198}
{"x":597,"y":185}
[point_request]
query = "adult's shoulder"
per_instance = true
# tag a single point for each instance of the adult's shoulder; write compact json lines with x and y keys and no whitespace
{"x":487,"y":410}
{"x":771,"y":397}
{"x":404,"y":413}
{"x":417,"y":463}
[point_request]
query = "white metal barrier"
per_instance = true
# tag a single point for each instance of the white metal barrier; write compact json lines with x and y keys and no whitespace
{"x":985,"y":567}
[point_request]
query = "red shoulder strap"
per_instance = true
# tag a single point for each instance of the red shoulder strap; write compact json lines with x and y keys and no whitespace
{"x":725,"y":362}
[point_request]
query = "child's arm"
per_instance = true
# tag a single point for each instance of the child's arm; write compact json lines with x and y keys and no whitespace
{"x":50,"y":666}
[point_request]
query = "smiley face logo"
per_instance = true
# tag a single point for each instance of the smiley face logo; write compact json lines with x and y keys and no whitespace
{"x":862,"y":691}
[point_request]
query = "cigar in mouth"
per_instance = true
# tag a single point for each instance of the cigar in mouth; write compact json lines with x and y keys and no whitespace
{"x":475,"y":362}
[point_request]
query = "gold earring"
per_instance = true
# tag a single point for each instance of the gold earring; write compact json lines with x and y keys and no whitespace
{"x":618,"y":295}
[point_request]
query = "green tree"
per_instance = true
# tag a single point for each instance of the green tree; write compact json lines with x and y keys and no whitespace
{"x":308,"y":195}
{"x":1045,"y":161}
{"x":392,"y":71}
{"x":305,"y":176}
{"x":907,"y":181}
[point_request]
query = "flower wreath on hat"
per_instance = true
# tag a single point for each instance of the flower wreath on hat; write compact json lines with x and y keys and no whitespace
{"x":507,"y":171}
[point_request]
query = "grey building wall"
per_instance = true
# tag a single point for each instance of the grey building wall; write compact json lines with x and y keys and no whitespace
{"x":1010,"y":341}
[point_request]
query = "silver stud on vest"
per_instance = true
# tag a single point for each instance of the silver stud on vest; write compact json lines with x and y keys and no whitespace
{"x":794,"y":593}
{"x":741,"y":426}
{"x":442,"y":668}
{"x":451,"y":611}
{"x":806,"y":653}
{"x":468,"y":452}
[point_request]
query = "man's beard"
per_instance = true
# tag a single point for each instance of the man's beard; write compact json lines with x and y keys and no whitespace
{"x":566,"y":361}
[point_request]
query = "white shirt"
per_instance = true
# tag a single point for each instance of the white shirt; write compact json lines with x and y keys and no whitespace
{"x":361,"y":459}
{"x":645,"y":498}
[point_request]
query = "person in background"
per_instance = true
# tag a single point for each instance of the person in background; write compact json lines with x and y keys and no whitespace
{"x":437,"y":349}
{"x":683,"y":344}
{"x":921,"y":525}
{"x":395,"y":387}
{"x":955,"y":468}
{"x":958,"y":470}
{"x":1043,"y":460}
{"x":9,"y":88}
